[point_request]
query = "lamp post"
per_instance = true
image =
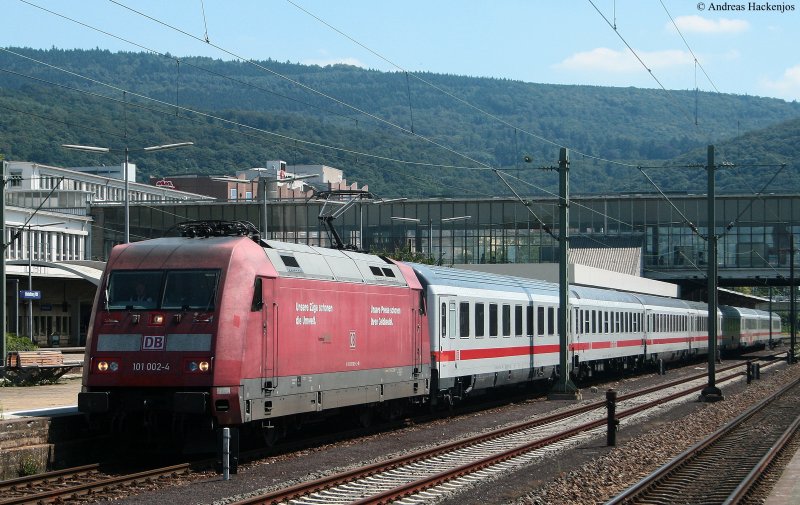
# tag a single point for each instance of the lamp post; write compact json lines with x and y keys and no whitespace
{"x":30,"y":228}
{"x":417,"y":221}
{"x":126,"y":150}
{"x":263,"y":187}
{"x":453,"y":220}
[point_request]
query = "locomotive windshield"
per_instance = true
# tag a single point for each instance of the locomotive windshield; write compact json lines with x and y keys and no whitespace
{"x":190,"y":289}
{"x":162,"y":289}
{"x":137,"y":289}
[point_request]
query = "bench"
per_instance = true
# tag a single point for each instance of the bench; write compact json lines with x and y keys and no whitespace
{"x":35,"y":367}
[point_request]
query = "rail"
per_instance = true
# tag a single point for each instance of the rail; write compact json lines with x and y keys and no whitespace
{"x":705,"y":470}
{"x":426,"y":469}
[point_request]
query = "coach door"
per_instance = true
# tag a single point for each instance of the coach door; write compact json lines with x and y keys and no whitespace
{"x":269,"y":335}
{"x":417,"y":341}
{"x":649,"y":327}
{"x":448,"y":320}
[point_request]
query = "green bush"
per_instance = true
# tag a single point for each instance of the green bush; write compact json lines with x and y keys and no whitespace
{"x":15,"y":343}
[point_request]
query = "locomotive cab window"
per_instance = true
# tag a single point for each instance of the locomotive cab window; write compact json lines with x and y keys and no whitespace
{"x":258,"y":296}
{"x":190,"y":289}
{"x":137,"y":289}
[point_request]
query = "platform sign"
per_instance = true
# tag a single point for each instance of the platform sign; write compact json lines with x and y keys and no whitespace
{"x":30,"y":294}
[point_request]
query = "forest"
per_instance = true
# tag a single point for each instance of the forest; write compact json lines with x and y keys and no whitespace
{"x":410,"y":135}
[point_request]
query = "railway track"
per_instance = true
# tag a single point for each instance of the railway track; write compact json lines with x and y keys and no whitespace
{"x":74,"y":483}
{"x":726,"y":466}
{"x":419,"y":477}
{"x":90,"y":480}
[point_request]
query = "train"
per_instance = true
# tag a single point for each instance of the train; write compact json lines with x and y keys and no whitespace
{"x":218,"y":328}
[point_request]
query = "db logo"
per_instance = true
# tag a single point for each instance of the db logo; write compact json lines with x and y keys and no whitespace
{"x":153,"y":343}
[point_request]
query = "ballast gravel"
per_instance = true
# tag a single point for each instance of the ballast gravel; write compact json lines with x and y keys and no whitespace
{"x":588,"y":473}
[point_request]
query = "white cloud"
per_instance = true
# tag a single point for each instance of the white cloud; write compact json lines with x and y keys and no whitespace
{"x":334,"y":61}
{"x":611,"y":61}
{"x":787,"y":87}
{"x":699,"y":24}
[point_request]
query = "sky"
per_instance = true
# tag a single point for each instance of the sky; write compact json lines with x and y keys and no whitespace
{"x":740,"y":48}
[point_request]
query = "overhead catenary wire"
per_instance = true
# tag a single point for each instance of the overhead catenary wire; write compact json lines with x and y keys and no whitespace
{"x":632,"y":50}
{"x":572,"y":202}
{"x":686,"y":220}
{"x":307,"y":87}
{"x":238,"y":130}
{"x":696,"y":59}
{"x":412,"y":129}
{"x":149,"y":17}
{"x":186,"y":63}
{"x":207,"y":115}
{"x":455,"y":97}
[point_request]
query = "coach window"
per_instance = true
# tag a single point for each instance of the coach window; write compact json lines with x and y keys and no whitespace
{"x":594,"y":321}
{"x":506,"y":320}
{"x":463,"y":319}
{"x":586,"y":322}
{"x":453,"y":319}
{"x":573,"y":322}
{"x":518,"y":330}
{"x":493,"y":323}
{"x":480,"y":308}
{"x":540,"y":321}
{"x":604,"y":318}
{"x":551,"y":320}
{"x":444,"y":319}
{"x":616,"y":322}
{"x":529,"y":314}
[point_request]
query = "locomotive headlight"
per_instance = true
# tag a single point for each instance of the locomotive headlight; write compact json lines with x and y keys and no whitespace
{"x":156,"y":319}
{"x":102,"y":366}
{"x":198,"y":366}
{"x":113,"y":366}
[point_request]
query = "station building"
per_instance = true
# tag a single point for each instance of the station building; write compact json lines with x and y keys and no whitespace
{"x":51,"y":269}
{"x":642,"y":236}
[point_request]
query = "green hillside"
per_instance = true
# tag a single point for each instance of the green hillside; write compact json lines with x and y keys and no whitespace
{"x":395,"y":132}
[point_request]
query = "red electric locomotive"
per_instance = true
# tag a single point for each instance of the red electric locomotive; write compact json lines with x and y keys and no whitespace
{"x":216,"y":328}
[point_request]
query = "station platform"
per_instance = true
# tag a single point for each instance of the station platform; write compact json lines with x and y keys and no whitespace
{"x":787,"y":490}
{"x":44,"y":400}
